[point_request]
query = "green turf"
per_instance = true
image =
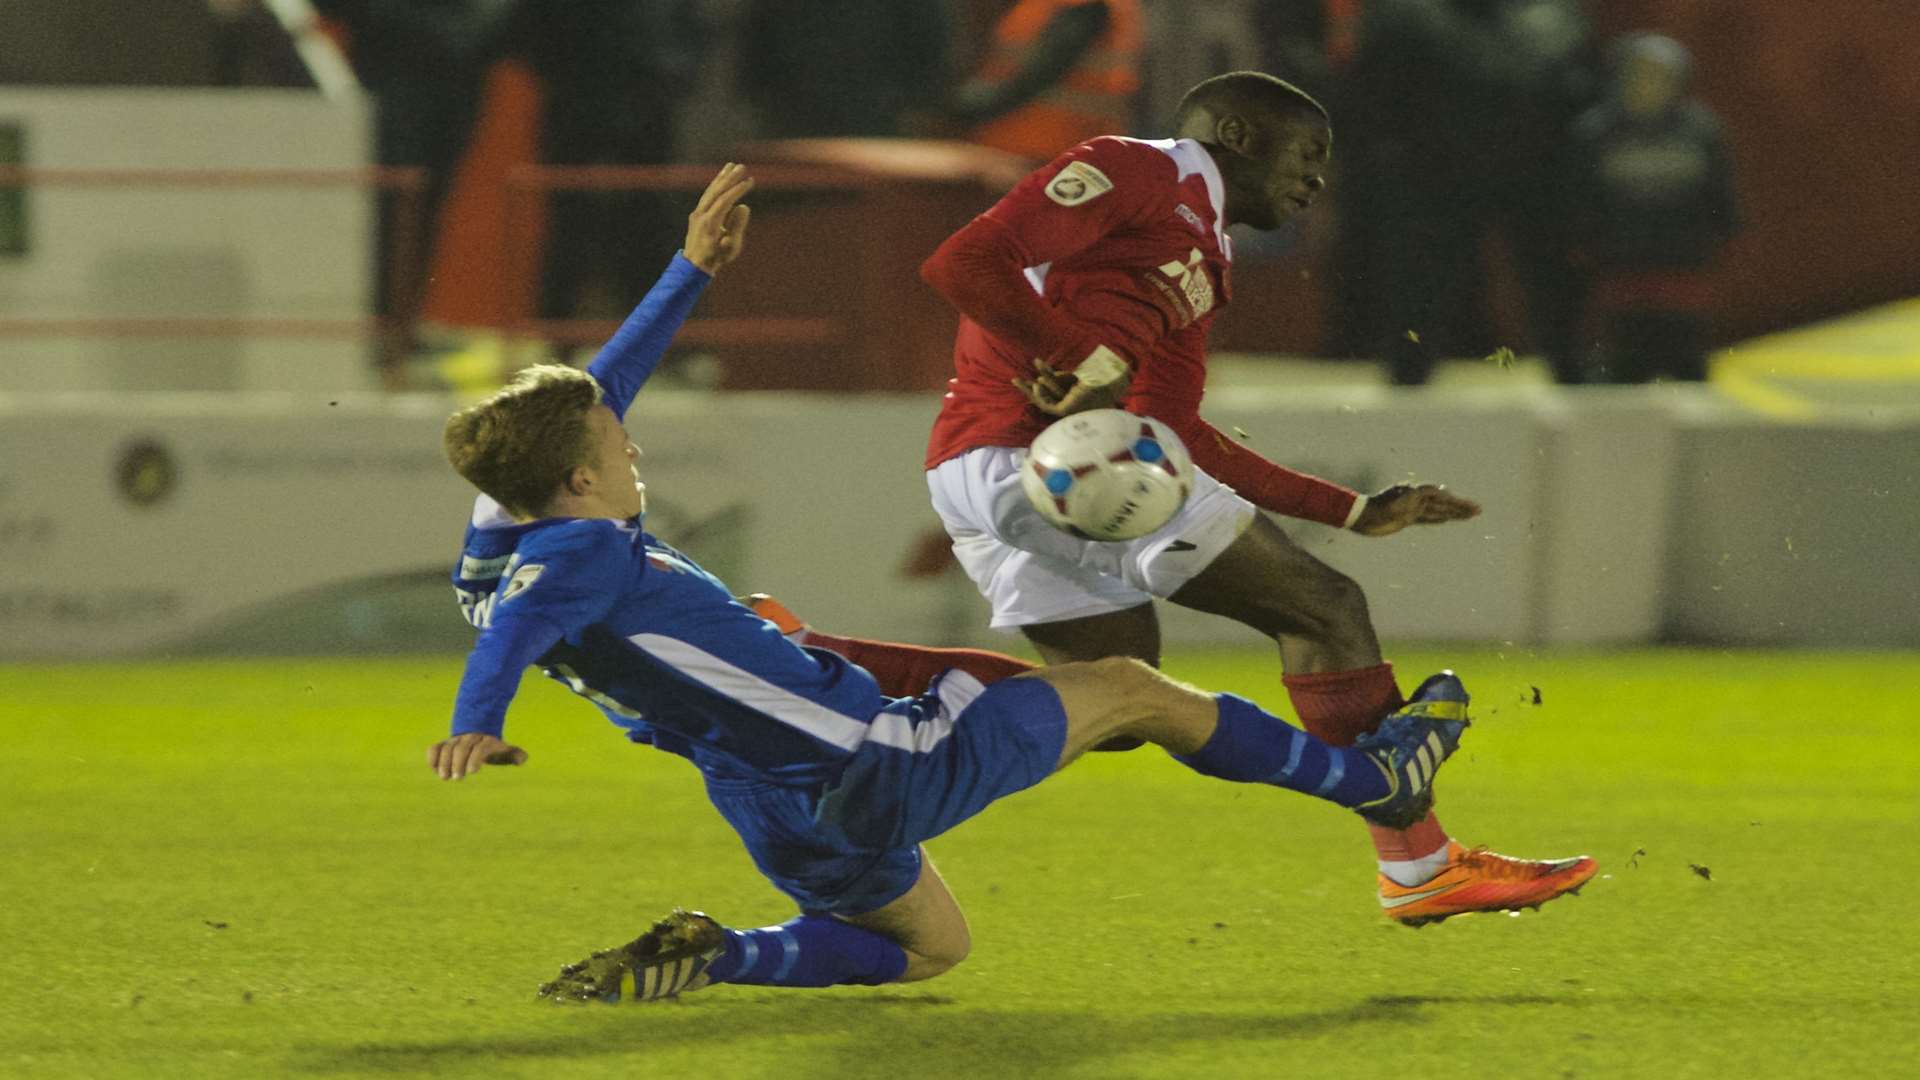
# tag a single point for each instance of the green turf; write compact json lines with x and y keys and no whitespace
{"x":245,"y":869}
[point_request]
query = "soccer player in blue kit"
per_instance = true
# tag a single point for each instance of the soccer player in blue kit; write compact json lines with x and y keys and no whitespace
{"x":832,"y":782}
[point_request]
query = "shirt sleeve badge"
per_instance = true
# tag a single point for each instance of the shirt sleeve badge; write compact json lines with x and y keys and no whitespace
{"x":522,"y":580}
{"x":1076,"y":183}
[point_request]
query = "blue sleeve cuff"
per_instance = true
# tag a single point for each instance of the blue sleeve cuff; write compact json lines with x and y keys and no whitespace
{"x":683,"y":266}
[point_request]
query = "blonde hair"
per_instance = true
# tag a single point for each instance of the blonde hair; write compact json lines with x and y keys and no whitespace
{"x":519,"y":445}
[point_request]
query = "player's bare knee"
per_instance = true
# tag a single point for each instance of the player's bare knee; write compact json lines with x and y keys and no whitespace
{"x":1347,"y":608}
{"x":1341,"y":599}
{"x":1330,"y":608}
{"x":929,"y":960}
{"x":954,"y":950}
{"x":1123,"y":671}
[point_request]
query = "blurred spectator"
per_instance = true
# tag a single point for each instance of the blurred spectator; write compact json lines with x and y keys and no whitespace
{"x":1454,"y":123}
{"x":832,"y":68}
{"x":1309,"y":43}
{"x":1059,"y":72}
{"x":144,"y":43}
{"x":1654,"y":206}
{"x":612,"y":71}
{"x":1190,"y":40}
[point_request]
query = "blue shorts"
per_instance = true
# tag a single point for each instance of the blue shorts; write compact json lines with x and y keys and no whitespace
{"x":854,"y":846}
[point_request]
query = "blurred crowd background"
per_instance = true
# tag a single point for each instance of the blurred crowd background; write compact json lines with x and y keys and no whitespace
{"x":1616,"y":188}
{"x":229,"y":229}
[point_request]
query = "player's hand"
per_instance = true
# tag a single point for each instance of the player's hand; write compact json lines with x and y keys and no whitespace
{"x":1058,"y":393}
{"x":717,"y":228}
{"x":1402,"y":505}
{"x":463,"y":755}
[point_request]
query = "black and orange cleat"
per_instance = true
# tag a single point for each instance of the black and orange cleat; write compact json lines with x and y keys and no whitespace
{"x":671,"y":958}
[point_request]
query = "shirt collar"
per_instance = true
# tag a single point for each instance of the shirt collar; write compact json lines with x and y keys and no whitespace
{"x":1190,"y":157}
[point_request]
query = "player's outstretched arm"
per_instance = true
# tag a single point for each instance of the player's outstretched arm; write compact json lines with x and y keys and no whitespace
{"x":1402,"y":505}
{"x":1266,"y":484}
{"x":462,"y":755}
{"x":716,"y":234}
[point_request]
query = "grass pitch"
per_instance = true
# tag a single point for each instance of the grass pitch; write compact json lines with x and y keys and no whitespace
{"x":246,"y":870}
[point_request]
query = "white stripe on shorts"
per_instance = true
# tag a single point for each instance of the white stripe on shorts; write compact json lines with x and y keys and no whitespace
{"x":957,"y":691}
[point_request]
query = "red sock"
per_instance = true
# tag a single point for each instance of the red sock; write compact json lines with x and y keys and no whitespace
{"x":1339,"y":707}
{"x":1405,"y":845}
{"x":905,"y":670}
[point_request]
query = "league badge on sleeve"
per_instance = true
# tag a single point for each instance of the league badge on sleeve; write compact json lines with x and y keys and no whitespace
{"x":521,"y":581}
{"x":1078,"y":182}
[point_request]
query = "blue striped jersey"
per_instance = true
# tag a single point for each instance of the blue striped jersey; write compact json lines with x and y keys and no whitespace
{"x":645,"y":633}
{"x":664,"y":650}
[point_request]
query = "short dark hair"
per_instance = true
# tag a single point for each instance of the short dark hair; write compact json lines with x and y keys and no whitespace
{"x":1251,"y":91}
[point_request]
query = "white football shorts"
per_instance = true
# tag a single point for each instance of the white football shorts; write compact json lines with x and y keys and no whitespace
{"x":1033,"y":573}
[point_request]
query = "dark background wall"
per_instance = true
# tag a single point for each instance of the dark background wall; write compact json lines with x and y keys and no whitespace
{"x":1821,"y":104}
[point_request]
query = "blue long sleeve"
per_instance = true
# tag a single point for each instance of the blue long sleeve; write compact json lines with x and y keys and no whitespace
{"x":630,"y":356}
{"x":493,"y":672}
{"x":568,"y":575}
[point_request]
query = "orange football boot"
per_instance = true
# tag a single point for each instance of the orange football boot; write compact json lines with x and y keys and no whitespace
{"x":1476,"y":879}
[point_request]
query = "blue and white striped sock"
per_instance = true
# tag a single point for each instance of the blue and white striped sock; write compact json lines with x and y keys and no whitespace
{"x":812,"y":950}
{"x":1254,"y":746}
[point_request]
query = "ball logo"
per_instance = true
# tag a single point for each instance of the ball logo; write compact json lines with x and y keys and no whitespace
{"x":145,"y":472}
{"x":1120,"y":517}
{"x":1076,"y":183}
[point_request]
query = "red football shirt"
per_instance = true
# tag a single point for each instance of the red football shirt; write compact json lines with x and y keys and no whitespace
{"x":1119,"y":242}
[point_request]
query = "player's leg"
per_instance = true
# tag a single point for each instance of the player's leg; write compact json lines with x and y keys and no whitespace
{"x":868,"y":917}
{"x":1385,"y":776}
{"x":1340,"y":685}
{"x":1263,"y":579}
{"x":1133,"y":632}
{"x":902,"y":670}
{"x":1040,"y":579}
{"x":690,"y":950}
{"x":926,"y":923}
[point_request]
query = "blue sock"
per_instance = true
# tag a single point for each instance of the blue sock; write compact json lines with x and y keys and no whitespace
{"x":1254,"y":746}
{"x":812,"y":950}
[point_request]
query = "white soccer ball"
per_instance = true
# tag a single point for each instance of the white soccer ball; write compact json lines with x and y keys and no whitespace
{"x":1106,"y":474}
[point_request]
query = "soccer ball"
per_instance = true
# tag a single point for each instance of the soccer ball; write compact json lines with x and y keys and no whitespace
{"x":1106,"y":474}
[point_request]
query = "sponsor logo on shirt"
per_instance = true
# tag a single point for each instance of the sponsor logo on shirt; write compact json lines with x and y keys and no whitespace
{"x":1186,"y":286}
{"x":472,"y":569}
{"x":1192,"y":219}
{"x":1078,"y":182}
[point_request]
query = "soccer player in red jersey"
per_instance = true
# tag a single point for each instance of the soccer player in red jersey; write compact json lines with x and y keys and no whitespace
{"x":1092,"y":284}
